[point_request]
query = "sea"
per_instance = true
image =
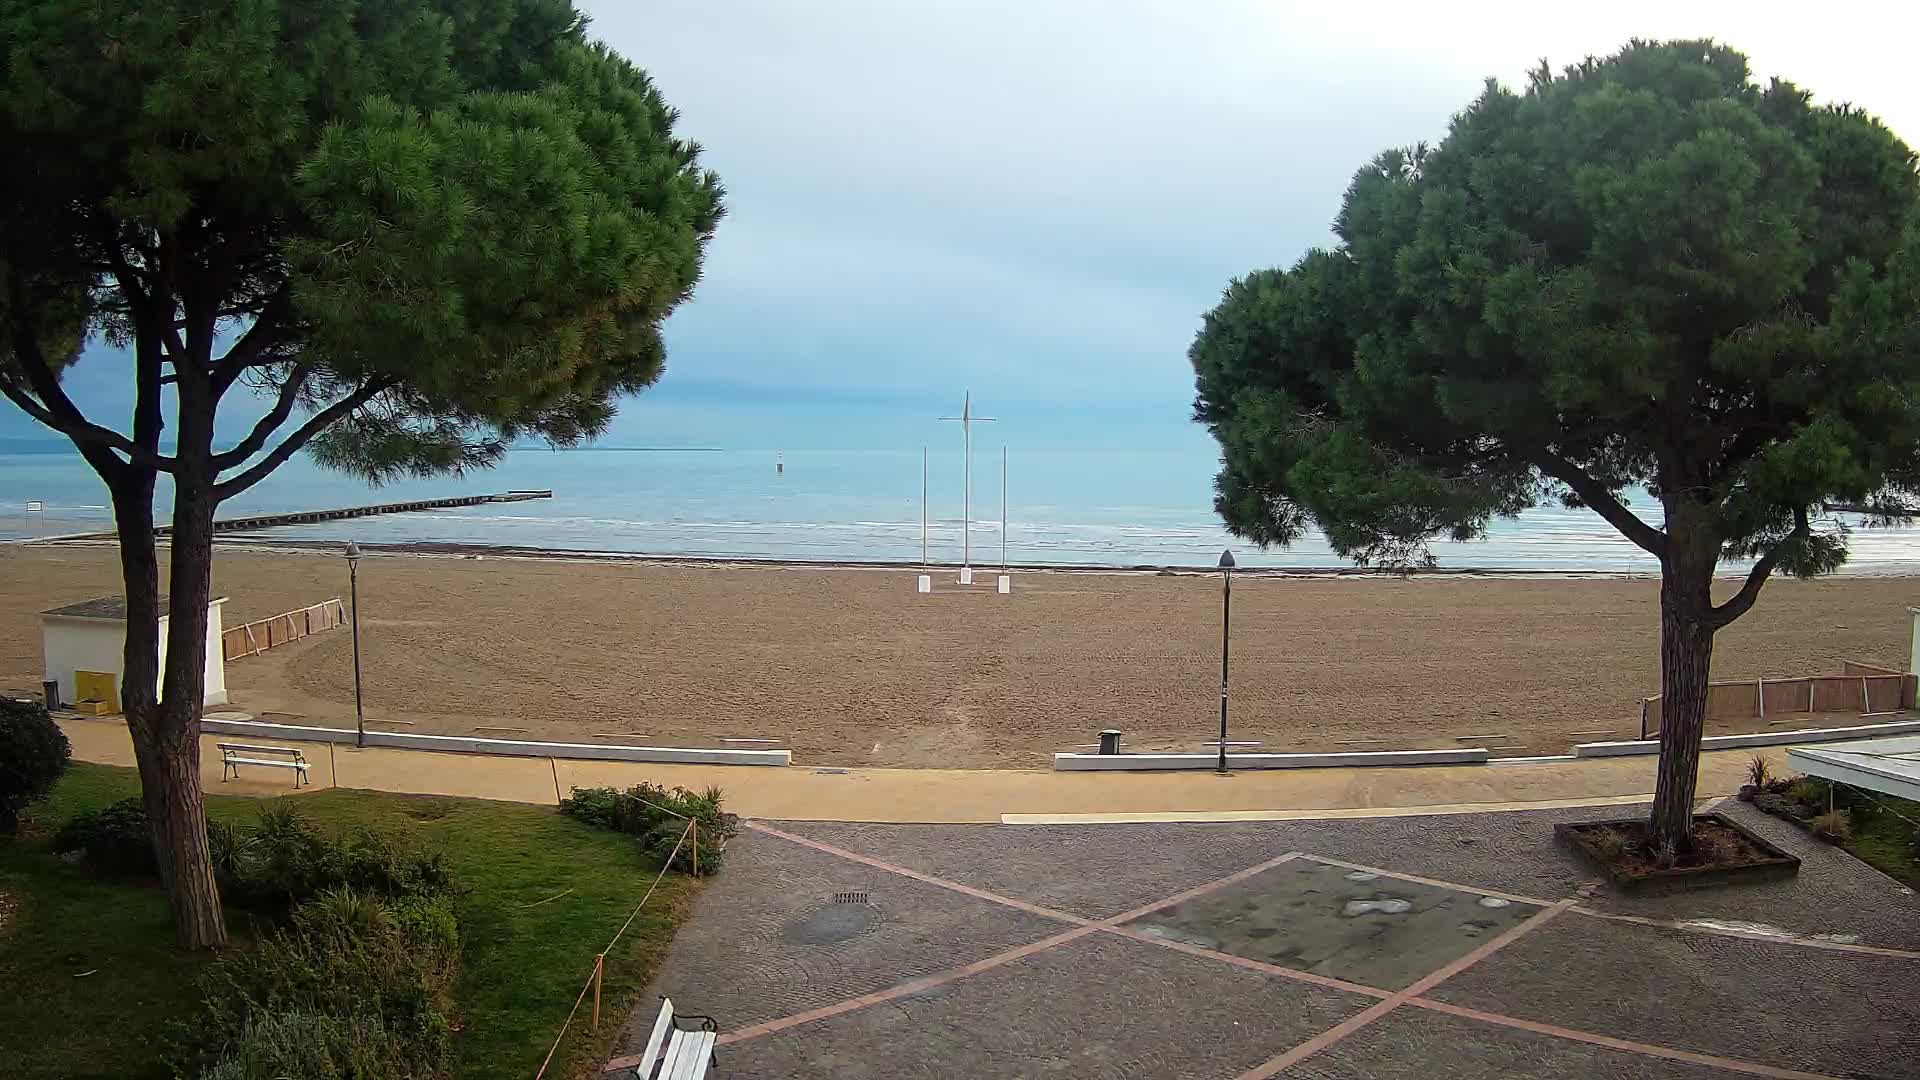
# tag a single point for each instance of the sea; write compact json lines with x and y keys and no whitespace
{"x":1107,"y":508}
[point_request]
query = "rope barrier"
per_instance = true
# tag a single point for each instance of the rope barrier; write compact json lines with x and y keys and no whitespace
{"x":593,"y":978}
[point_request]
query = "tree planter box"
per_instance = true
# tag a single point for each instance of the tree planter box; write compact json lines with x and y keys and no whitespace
{"x":1772,"y":864}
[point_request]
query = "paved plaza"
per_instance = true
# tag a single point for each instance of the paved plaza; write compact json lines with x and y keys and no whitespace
{"x":1428,"y":948}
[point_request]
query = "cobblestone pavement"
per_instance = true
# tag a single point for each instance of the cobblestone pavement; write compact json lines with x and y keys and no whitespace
{"x":1425,"y":948}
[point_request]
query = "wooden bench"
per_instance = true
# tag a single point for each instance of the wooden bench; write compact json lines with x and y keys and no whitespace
{"x":233,"y":755}
{"x":676,"y":1053}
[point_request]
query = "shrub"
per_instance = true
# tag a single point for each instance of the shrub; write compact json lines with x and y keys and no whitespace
{"x":114,"y":838}
{"x":1809,"y":791}
{"x":1759,"y":771}
{"x":272,"y":1046}
{"x":1834,"y":826}
{"x":658,"y":816}
{"x":33,"y":754}
{"x":366,"y":980}
{"x":272,"y":865}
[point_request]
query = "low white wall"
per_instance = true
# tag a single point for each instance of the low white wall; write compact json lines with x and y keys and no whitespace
{"x":1134,"y":762}
{"x":670,"y":755}
{"x":1761,"y":738}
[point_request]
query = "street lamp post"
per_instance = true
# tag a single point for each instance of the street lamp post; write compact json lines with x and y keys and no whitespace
{"x":353,"y":586}
{"x":1226,"y":620}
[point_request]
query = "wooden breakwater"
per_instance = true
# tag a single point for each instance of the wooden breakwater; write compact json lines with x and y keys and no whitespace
{"x":308,"y":517}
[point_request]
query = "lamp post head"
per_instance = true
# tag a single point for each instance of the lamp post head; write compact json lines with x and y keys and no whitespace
{"x":353,"y":552}
{"x":1226,"y":560}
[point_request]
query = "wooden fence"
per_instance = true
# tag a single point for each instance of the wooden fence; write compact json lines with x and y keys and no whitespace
{"x":257,"y":637}
{"x":1859,"y":688}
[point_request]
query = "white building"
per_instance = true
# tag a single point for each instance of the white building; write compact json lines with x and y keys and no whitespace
{"x":85,"y":642}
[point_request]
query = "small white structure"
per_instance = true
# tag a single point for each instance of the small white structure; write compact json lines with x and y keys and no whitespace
{"x":91,"y":637}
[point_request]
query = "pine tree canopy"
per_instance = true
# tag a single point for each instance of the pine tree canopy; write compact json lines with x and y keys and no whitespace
{"x":1645,"y":270}
{"x":420,"y":228}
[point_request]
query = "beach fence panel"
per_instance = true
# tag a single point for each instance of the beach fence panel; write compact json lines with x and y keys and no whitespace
{"x":1733,"y":701}
{"x":1782,"y":697}
{"x":251,"y":639}
{"x":1909,"y":682}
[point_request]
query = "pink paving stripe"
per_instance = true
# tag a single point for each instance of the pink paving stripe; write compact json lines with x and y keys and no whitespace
{"x":966,"y":890}
{"x":1436,"y":882}
{"x":905,"y":989}
{"x":1748,"y":935}
{"x":1251,"y":965}
{"x":1645,"y":1049}
{"x":1379,"y":1009}
{"x":1202,"y":890}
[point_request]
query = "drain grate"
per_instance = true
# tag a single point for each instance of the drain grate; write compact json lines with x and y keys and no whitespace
{"x":849,"y":898}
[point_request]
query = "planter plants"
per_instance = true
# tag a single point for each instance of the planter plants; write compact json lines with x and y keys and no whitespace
{"x":1725,"y":853}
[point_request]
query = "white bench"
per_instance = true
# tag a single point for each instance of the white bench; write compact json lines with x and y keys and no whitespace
{"x":234,"y":755}
{"x":674,"y":1053}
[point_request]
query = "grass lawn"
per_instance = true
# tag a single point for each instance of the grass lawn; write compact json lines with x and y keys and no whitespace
{"x":1883,"y":831}
{"x":89,"y":978}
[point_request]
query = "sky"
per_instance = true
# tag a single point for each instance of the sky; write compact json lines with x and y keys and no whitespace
{"x":1037,"y":202}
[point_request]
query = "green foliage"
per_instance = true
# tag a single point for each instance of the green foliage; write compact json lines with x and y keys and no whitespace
{"x":280,"y":860}
{"x":462,"y":208}
{"x":1645,"y":270}
{"x":522,"y":959}
{"x":114,"y":838}
{"x":1810,"y":792}
{"x":377,"y":973}
{"x":1759,"y":771}
{"x":659,"y":816}
{"x":33,"y":754}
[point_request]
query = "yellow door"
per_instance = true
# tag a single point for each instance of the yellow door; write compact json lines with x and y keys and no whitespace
{"x":97,"y":686}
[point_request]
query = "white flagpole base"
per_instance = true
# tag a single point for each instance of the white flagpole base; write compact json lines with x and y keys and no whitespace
{"x":966,"y":575}
{"x":925,"y":584}
{"x":1005,"y":584}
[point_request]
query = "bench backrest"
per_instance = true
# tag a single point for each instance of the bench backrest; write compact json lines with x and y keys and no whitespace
{"x":650,"y":1056}
{"x":248,"y":748}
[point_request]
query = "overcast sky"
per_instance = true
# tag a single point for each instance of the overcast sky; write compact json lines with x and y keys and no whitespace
{"x":1038,"y":200}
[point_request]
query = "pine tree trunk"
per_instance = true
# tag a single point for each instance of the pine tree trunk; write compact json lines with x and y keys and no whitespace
{"x":1686,"y":661}
{"x":166,"y":726}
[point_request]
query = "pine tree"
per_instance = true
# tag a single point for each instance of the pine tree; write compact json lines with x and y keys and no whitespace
{"x":1647,"y":270}
{"x":421,"y":229}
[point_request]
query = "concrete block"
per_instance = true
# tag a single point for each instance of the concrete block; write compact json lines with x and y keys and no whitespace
{"x":924,"y":584}
{"x":1759,"y":738}
{"x":1004,"y":585}
{"x":1138,"y":762}
{"x":966,"y":575}
{"x":674,"y":755}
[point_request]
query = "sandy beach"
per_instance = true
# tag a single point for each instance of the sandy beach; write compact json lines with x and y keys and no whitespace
{"x":850,"y":667}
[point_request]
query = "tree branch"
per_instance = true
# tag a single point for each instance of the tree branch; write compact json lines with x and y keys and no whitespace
{"x":57,"y":411}
{"x":1741,"y":602}
{"x":264,"y":334}
{"x":1602,"y":502}
{"x":291,"y":445}
{"x":268,"y":424}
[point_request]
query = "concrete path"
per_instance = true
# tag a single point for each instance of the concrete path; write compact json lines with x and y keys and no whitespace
{"x":799,"y":793}
{"x":1466,"y":947}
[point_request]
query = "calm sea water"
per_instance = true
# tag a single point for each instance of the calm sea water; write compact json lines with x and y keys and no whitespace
{"x":1063,"y":507}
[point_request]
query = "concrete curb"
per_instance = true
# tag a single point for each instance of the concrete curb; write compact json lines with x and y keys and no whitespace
{"x":1130,"y":762}
{"x":1764,"y":738}
{"x":673,"y":755}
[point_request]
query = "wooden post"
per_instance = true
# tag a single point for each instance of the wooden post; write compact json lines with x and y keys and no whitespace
{"x":693,"y":832}
{"x":1760,"y":696}
{"x":1866,"y":704}
{"x":599,"y":965}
